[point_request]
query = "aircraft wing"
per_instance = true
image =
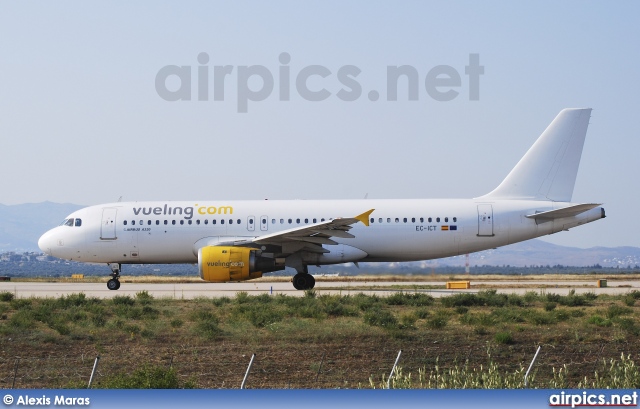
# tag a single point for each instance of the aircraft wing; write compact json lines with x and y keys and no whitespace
{"x":312,"y":237}
{"x":564,"y":212}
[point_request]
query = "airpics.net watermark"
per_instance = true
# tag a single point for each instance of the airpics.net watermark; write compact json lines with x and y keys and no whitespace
{"x":255,"y":83}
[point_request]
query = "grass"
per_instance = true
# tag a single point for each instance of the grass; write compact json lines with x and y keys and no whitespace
{"x":211,"y":338}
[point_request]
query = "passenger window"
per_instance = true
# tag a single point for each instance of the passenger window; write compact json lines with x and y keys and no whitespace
{"x":298,"y":221}
{"x":182,"y":222}
{"x":141,"y":222}
{"x":404,"y":220}
{"x":314,"y":220}
{"x":78,"y":222}
{"x":148,"y":222}
{"x":290,"y":221}
{"x":446,"y":219}
{"x":221,"y":221}
{"x":206,"y":221}
{"x":198,"y":221}
{"x":230,"y":221}
{"x":437,"y":220}
{"x":250,"y":221}
{"x":214,"y":221}
{"x":189,"y":222}
{"x":322,"y":219}
{"x":273,"y":221}
{"x":124,"y":222}
{"x":422,"y":220}
{"x":397,"y":220}
{"x":173,"y":222}
{"x":455,"y":219}
{"x":281,"y":221}
{"x":133,"y":222}
{"x":239,"y":221}
{"x":306,"y":220}
{"x":388,"y":219}
{"x":413,"y":220}
{"x":380,"y":220}
{"x":166,"y":222}
{"x":430,"y":219}
{"x":372,"y":220}
{"x":264,"y":221}
{"x":157,"y":222}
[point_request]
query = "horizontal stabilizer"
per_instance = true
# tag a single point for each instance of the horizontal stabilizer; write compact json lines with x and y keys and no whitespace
{"x":564,"y":212}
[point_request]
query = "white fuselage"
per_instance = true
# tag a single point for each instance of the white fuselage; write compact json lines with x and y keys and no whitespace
{"x":399,"y":230}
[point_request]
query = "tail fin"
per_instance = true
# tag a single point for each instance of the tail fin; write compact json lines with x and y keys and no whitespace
{"x":548,"y":170}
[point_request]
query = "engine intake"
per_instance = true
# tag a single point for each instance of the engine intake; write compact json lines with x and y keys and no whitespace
{"x":219,"y":264}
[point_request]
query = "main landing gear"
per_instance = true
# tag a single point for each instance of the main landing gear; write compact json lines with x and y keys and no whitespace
{"x":303,"y":280}
{"x":114,"y":283}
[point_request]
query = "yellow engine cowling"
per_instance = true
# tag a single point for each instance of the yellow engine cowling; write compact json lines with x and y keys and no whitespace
{"x":220,"y":264}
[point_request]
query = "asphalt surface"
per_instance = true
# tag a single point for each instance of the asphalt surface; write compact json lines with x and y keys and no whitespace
{"x":205,"y":289}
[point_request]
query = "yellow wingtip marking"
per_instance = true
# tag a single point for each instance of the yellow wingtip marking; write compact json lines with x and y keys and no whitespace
{"x":364,"y":217}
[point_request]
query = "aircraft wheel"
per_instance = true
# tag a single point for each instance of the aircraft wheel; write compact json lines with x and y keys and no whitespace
{"x":311,"y":283}
{"x":113,"y":284}
{"x":302,"y":281}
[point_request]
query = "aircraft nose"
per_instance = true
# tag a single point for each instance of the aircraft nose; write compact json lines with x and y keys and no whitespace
{"x":46,"y":242}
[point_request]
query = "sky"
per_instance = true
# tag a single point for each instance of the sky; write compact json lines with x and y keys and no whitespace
{"x":101,"y":100}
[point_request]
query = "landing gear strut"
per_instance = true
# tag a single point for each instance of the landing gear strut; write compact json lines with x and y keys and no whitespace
{"x":114,"y":283}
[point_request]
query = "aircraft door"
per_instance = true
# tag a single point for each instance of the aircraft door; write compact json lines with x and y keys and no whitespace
{"x":251,"y":223}
{"x":485,"y":220}
{"x":264,"y":223}
{"x":108,"y":227}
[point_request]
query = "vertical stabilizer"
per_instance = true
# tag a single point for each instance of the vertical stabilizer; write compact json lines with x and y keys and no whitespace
{"x":549,"y":168}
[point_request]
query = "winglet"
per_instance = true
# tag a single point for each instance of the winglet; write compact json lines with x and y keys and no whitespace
{"x":364,"y":217}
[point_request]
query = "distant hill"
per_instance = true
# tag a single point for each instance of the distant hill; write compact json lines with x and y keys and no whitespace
{"x":22,"y":225}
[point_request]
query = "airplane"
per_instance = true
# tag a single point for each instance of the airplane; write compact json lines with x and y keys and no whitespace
{"x":242,"y":240}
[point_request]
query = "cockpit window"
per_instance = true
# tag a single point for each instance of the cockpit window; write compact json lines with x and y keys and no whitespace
{"x":78,"y":222}
{"x":67,"y":222}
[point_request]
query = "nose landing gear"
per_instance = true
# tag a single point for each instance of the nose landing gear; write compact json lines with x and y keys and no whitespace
{"x":114,"y":283}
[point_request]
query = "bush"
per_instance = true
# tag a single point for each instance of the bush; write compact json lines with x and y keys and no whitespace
{"x":599,"y":321}
{"x":438,"y":321}
{"x":617,"y":310}
{"x":123,"y":300}
{"x":550,"y":306}
{"x":147,"y":377}
{"x":6,"y":296}
{"x":144,"y":297}
{"x":414,"y":299}
{"x":380,"y":318}
{"x":504,"y":338}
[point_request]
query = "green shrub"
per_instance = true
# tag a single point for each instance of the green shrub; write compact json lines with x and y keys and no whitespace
{"x":599,"y":321}
{"x":176,"y":323}
{"x":422,"y":313}
{"x":550,"y":306}
{"x":438,"y":321}
{"x":408,"y":321}
{"x":6,"y":296}
{"x":123,"y":300}
{"x":504,"y":338}
{"x":617,"y":310}
{"x":380,"y":318}
{"x":412,"y":299}
{"x":147,"y":377}
{"x":208,"y":330}
{"x":144,"y":297}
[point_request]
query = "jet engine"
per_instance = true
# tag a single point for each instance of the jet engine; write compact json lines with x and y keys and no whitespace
{"x":220,"y":264}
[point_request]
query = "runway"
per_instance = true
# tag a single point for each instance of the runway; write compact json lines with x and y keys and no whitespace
{"x":210,"y":290}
